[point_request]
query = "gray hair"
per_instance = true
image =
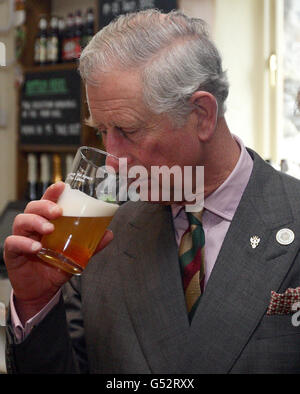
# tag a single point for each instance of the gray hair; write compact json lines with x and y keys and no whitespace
{"x":173,"y":52}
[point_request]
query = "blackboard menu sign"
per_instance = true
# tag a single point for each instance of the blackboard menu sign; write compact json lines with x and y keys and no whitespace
{"x":109,"y":9}
{"x":50,"y":108}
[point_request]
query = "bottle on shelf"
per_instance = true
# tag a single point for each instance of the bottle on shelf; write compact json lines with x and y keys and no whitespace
{"x":69,"y":163}
{"x":56,"y":168}
{"x":78,"y":31}
{"x":61,"y":36}
{"x":32,"y":177}
{"x":20,"y":28}
{"x":45,"y":174}
{"x":89,"y":27}
{"x":40,"y":46}
{"x":53,"y":42}
{"x":68,"y":43}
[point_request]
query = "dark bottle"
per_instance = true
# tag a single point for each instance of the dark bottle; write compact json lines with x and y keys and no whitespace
{"x":68,"y":44}
{"x":89,"y":27}
{"x":78,"y":31}
{"x":31,"y":189}
{"x":40,"y":47}
{"x":45,"y":174}
{"x":61,"y":36}
{"x":53,"y":42}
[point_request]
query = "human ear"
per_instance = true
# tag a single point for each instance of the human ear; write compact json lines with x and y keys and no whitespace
{"x":206,"y":109}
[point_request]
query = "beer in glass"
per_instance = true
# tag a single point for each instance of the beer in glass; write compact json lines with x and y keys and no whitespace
{"x":88,"y":203}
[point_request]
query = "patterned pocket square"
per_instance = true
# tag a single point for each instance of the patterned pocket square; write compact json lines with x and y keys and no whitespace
{"x":281,"y":304}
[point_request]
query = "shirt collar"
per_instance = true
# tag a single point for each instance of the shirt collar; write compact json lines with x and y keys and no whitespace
{"x":225,"y":200}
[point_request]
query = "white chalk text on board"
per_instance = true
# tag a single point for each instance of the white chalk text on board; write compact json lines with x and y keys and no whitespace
{"x":50,"y":108}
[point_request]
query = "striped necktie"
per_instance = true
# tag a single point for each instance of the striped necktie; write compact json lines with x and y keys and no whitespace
{"x":191,"y":258}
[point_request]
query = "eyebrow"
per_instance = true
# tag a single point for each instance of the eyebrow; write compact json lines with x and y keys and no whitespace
{"x":95,"y":125}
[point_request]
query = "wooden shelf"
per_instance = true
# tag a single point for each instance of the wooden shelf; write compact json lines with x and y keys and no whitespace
{"x":48,"y":148}
{"x":51,"y":67}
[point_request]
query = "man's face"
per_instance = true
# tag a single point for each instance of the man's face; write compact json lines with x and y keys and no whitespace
{"x":129,"y":130}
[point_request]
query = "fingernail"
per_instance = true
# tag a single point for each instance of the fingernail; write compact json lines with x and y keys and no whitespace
{"x":36,"y":246}
{"x":47,"y":227}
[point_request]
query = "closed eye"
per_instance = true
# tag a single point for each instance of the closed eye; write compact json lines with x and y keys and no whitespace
{"x":125,"y":132}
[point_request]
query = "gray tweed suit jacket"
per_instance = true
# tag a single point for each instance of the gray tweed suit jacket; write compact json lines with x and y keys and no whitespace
{"x":127,"y":313}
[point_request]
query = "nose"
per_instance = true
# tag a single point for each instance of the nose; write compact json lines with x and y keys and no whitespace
{"x":113,"y":162}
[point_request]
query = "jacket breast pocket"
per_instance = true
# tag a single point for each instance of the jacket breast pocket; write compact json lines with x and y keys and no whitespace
{"x":273,"y":348}
{"x":272,"y":326}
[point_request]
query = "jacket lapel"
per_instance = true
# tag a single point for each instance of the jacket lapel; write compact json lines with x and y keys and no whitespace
{"x":153,"y":288}
{"x":238,"y":292}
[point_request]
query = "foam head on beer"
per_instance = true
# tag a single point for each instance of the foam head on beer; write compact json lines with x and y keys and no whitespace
{"x":76,"y":203}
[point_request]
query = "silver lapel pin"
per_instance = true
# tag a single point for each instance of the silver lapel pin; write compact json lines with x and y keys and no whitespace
{"x":285,"y":236}
{"x":255,"y":240}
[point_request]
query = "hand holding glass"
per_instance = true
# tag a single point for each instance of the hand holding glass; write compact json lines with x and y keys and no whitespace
{"x":89,"y":204}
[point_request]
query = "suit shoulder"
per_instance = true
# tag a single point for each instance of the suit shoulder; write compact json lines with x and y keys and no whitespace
{"x":291,"y":187}
{"x":289,"y":181}
{"x":270,"y":178}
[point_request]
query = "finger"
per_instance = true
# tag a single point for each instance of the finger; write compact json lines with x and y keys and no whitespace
{"x":107,"y":238}
{"x":16,"y":246}
{"x":26,"y":224}
{"x":45,"y":208}
{"x":54,"y":191}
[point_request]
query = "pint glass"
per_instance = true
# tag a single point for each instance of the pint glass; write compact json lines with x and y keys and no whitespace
{"x":88,"y":202}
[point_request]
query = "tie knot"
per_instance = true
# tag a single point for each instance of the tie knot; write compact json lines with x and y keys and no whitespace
{"x":195,"y":217}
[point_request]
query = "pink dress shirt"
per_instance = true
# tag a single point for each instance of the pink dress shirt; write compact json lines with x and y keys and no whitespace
{"x":219,"y":209}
